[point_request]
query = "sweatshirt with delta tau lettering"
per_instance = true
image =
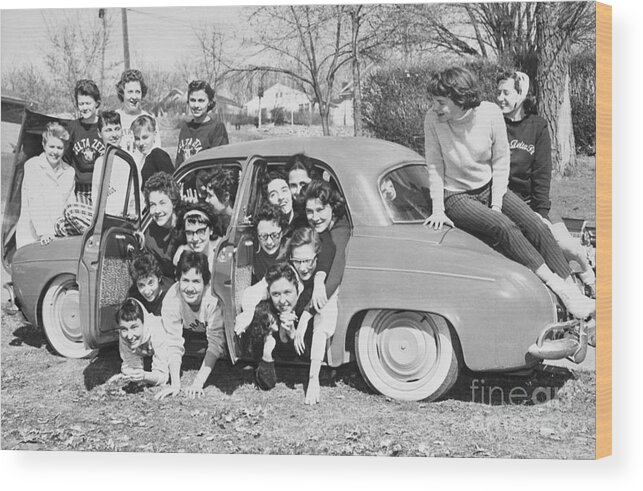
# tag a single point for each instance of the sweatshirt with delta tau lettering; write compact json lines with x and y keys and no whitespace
{"x":530,"y":167}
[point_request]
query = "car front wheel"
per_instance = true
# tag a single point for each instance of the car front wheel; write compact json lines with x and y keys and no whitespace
{"x":60,"y":315}
{"x":406,"y":355}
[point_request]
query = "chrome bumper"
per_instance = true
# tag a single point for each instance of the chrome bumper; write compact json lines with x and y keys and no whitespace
{"x":565,"y":340}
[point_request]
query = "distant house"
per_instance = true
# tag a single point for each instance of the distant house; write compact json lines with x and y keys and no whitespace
{"x":176,"y":100}
{"x":279,"y":95}
{"x":13,"y":106}
{"x":228,"y":106}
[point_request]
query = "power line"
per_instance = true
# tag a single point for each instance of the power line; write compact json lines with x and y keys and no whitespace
{"x":174,"y":20}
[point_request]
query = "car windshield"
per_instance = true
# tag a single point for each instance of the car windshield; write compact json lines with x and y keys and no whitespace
{"x":405,"y":192}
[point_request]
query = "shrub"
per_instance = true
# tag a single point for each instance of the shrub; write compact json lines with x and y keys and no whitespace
{"x":395,"y":100}
{"x":307,"y":118}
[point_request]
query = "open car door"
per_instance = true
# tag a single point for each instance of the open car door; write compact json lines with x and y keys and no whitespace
{"x":107,"y":245}
{"x":233,"y":265}
{"x":29,"y":145}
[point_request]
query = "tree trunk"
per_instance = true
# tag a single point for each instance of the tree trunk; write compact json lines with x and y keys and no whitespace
{"x":554,"y":48}
{"x":324,"y":113}
{"x":357,"y":85}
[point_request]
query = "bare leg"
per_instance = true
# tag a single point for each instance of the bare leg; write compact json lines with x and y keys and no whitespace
{"x":316,"y":356}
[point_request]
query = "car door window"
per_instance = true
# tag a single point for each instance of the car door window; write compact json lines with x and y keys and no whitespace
{"x":121,"y":191}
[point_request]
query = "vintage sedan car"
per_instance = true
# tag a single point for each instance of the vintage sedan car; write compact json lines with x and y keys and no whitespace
{"x":416,"y":305}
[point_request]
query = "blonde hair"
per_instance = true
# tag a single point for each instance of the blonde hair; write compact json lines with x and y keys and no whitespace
{"x":55,"y":130}
{"x":143,"y":121}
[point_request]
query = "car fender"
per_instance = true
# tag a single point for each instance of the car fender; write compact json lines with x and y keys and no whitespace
{"x":35,"y":266}
{"x":496,"y":307}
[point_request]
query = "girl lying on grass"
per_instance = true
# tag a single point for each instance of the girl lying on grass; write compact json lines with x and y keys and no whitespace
{"x":141,"y":335}
{"x":191,"y":312}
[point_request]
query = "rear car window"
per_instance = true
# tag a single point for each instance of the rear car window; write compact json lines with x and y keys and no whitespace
{"x":405,"y":192}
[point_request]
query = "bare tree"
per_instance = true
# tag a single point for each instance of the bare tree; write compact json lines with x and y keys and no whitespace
{"x":557,"y":24}
{"x":534,"y":37}
{"x":76,"y":47}
{"x":309,"y":44}
{"x":370,"y":31}
{"x":34,"y":85}
{"x":211,"y":43}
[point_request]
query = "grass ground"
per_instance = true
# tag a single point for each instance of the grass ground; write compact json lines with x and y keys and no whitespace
{"x":57,"y":404}
{"x":52,"y":403}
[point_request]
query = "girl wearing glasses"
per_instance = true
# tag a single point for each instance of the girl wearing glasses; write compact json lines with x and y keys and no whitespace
{"x":279,"y":319}
{"x":270,"y":223}
{"x":269,"y":227}
{"x":201,"y":231}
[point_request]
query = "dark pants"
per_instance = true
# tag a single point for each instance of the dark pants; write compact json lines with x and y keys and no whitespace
{"x":518,"y":232}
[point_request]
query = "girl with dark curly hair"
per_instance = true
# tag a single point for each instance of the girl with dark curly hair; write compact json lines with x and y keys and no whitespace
{"x":326,"y":213}
{"x":202,"y":131}
{"x":161,"y":237}
{"x":467,"y":154}
{"x":131,"y":89}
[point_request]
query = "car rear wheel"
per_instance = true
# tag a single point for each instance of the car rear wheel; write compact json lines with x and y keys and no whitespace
{"x":406,"y":355}
{"x":60,"y":315}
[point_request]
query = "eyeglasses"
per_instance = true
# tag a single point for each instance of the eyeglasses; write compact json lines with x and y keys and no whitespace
{"x":303,"y":262}
{"x":275,"y":236}
{"x":200,"y":233}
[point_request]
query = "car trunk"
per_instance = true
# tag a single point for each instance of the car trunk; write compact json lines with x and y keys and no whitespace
{"x":29,"y":145}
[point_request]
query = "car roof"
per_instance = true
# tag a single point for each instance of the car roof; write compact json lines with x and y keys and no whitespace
{"x":356,"y":161}
{"x":368,"y":157}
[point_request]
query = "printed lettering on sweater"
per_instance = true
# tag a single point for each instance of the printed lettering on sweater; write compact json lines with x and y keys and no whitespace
{"x":189,"y":147}
{"x":88,"y":150}
{"x":520,"y":145}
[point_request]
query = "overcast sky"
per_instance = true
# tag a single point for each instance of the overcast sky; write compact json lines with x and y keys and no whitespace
{"x":157,"y":35}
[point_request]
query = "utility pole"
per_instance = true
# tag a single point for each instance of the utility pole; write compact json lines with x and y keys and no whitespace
{"x":125,"y":39}
{"x":102,"y":14}
{"x":260,"y":97}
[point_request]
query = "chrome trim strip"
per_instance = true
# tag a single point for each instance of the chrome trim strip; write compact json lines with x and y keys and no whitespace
{"x":417,"y":271}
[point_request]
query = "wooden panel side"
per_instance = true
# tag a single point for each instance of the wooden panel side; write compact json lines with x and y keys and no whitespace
{"x":604,"y":230}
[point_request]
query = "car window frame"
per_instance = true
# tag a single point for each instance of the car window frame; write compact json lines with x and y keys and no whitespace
{"x":384,"y":174}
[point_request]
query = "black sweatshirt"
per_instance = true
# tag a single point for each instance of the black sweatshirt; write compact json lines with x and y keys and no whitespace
{"x":530,"y":171}
{"x":195,"y":137}
{"x":156,"y":161}
{"x":85,"y":146}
